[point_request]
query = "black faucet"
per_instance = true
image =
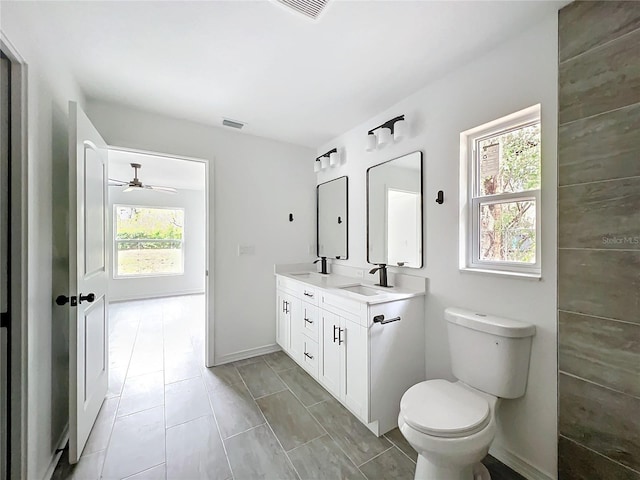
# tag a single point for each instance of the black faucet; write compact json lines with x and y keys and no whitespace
{"x":323,"y":265}
{"x":383,"y":275}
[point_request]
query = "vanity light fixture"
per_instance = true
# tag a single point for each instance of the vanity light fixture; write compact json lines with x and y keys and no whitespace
{"x":390,"y":131}
{"x":332,"y":157}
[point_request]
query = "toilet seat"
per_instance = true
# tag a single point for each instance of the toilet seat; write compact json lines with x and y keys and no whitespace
{"x":444,"y":409}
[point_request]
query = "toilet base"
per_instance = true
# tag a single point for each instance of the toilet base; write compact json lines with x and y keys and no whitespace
{"x":426,"y":470}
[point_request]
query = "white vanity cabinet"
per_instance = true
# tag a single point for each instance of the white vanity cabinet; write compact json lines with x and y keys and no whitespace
{"x":364,"y":364}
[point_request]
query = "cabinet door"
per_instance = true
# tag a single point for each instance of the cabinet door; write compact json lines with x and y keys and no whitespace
{"x":353,"y":349}
{"x":329,"y":367}
{"x":282,"y":324}
{"x":296,"y":321}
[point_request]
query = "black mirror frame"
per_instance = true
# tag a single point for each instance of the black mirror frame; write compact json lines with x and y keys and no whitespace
{"x":421,"y":206}
{"x":346,"y":219}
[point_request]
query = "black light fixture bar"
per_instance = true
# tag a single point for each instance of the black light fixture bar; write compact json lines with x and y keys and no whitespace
{"x":388,"y":124}
{"x":335,"y":150}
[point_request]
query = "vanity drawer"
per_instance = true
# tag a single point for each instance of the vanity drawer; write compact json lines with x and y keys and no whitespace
{"x":344,"y":307}
{"x":310,"y":320}
{"x":308,"y":293}
{"x":309,"y":355}
{"x":284,"y":283}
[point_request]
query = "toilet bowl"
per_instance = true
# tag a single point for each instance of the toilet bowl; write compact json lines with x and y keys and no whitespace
{"x":452,"y":424}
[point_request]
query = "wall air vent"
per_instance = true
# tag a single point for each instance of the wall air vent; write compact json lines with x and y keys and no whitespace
{"x":310,"y":8}
{"x":232,"y":123}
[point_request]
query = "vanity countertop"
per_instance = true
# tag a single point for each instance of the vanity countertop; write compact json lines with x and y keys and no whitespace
{"x":352,"y":288}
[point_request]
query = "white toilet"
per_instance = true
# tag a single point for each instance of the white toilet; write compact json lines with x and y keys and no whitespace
{"x":451,"y":425}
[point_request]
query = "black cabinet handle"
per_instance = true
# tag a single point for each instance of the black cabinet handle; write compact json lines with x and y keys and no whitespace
{"x":307,"y":294}
{"x":340,"y":340}
{"x":308,"y":321}
{"x":335,"y":336}
{"x":380,"y":319}
{"x":308,"y":356}
{"x":89,"y":298}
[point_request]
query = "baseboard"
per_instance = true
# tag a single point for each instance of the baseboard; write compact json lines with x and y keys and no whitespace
{"x":244,"y":354}
{"x":150,"y":296}
{"x":62,"y":442}
{"x":516,"y":463}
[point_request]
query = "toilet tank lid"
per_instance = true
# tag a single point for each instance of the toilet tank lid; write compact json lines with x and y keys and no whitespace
{"x":503,"y":327}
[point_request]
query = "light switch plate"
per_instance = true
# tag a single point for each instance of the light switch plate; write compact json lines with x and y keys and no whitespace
{"x":246,"y":250}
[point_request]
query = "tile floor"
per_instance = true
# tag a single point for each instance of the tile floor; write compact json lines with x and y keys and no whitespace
{"x":168,"y":417}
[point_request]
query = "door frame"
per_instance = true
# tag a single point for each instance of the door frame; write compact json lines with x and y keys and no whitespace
{"x":209,"y":334}
{"x":17,"y":388}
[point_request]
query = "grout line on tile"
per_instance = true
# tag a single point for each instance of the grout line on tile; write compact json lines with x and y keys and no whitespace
{"x":269,"y":394}
{"x":224,"y":447}
{"x":560,"y":125}
{"x":599,"y":317}
{"x":586,"y":380}
{"x":145,"y":470}
{"x":605,"y":180}
{"x":244,"y":431}
{"x":401,"y":451}
{"x":599,"y":454}
{"x":373,"y":458}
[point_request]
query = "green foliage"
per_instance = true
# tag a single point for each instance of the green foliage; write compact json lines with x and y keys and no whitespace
{"x":163,"y":226}
{"x":508,"y":230}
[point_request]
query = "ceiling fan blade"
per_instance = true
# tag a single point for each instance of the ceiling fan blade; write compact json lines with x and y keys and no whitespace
{"x":158,"y":188}
{"x":117,"y":183}
{"x":130,"y":189}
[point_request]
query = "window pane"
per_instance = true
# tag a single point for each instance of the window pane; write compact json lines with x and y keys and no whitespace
{"x":508,"y":232}
{"x":148,"y":241}
{"x":509,"y":162}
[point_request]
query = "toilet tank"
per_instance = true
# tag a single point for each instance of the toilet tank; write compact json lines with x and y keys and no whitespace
{"x":490,"y":353}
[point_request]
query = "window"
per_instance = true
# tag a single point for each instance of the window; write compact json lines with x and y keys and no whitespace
{"x":503,"y":186}
{"x":148,"y":241}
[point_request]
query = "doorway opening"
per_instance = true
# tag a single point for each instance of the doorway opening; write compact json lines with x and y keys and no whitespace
{"x":159,"y":231}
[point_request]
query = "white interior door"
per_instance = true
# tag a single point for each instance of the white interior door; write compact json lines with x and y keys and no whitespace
{"x":88,"y":276}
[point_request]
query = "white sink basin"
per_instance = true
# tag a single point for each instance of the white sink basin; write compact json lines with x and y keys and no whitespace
{"x":361,"y":290}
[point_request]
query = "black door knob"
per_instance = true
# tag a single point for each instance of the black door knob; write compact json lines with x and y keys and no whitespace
{"x":63,"y":299}
{"x":89,"y":298}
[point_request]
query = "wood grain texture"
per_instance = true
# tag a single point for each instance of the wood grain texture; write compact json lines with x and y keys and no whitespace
{"x":601,"y":80}
{"x":603,"y":215}
{"x":603,"y":351}
{"x":597,"y":148}
{"x":585,"y":25}
{"x":576,"y":462}
{"x":600,"y":283}
{"x":600,"y":419}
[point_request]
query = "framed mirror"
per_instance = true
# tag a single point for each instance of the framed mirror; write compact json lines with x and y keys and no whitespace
{"x":394,"y":212}
{"x":333,"y":220}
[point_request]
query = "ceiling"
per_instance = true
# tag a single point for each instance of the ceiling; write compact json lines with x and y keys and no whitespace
{"x":157,"y":170}
{"x":288,"y":77}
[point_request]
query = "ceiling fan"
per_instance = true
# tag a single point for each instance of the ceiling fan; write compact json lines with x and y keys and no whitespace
{"x":136,"y":184}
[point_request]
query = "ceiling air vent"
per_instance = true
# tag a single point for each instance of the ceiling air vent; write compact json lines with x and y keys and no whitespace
{"x":232,"y":123}
{"x":310,"y":8}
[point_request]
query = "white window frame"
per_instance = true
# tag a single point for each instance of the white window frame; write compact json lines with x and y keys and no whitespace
{"x":116,"y":276}
{"x":471,"y":200}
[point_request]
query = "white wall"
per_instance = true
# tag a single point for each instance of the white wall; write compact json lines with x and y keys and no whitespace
{"x":192,"y":280}
{"x":49,"y":90}
{"x":256,"y":184}
{"x":520,"y":73}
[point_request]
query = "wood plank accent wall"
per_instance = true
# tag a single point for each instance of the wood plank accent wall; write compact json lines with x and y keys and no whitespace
{"x":599,"y":241}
